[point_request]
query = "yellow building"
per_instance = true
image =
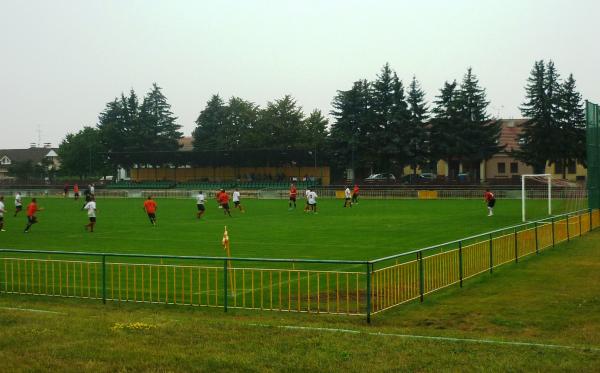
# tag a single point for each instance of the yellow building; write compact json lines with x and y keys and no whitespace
{"x":503,"y":166}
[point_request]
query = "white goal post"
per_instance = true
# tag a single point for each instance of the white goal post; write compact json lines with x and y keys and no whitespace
{"x":548,"y":177}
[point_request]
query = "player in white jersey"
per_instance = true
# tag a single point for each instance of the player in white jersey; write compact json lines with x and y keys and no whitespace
{"x":306,"y":193}
{"x":312,"y":201}
{"x":236,"y":200}
{"x":347,"y":197}
{"x":18,"y":203}
{"x":91,"y":212}
{"x":200,"y":200}
{"x":2,"y":214}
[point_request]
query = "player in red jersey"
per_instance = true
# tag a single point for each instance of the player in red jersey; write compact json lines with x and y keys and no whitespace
{"x":293,"y":195}
{"x":150,"y":208}
{"x":224,"y":201}
{"x":490,"y":200}
{"x":218,"y":198}
{"x":76,"y":191}
{"x":355,"y":193}
{"x":31,"y":210}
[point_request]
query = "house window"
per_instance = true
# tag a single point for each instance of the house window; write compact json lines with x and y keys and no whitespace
{"x":558,"y":168}
{"x":514,"y":167}
{"x":5,"y":160}
{"x":572,"y":168}
{"x":501,"y":167}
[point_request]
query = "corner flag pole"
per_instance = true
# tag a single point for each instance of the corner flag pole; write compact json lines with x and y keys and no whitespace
{"x":227,"y":249}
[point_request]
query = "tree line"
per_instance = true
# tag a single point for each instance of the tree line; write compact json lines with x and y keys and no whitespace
{"x":378,"y":125}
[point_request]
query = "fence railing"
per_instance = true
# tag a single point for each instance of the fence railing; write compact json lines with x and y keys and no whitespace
{"x":323,"y":192}
{"x":417,"y":273}
{"x":293,"y":285}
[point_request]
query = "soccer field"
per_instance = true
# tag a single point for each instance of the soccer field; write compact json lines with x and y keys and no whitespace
{"x":531,"y":316}
{"x":370,"y":229}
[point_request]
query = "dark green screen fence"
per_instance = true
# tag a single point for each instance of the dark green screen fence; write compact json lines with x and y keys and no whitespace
{"x":592,"y":114}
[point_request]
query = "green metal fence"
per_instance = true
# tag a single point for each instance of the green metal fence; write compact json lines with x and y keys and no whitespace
{"x":592,"y":115}
{"x":344,"y":287}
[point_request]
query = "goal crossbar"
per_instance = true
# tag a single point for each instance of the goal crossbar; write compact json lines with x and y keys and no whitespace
{"x":524,"y":195}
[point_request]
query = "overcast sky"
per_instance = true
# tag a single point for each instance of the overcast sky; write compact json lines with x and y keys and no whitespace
{"x":62,"y":61}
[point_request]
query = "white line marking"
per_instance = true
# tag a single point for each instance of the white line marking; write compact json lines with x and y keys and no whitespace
{"x":435,"y":338}
{"x":31,"y":310}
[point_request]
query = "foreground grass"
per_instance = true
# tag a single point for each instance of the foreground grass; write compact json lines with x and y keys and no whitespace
{"x":371,"y":229}
{"x":549,"y":299}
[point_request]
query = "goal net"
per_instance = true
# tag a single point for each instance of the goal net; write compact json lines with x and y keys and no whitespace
{"x":543,"y":196}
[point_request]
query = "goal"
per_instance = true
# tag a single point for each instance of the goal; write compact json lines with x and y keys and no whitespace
{"x":538,"y":194}
{"x":542,"y":195}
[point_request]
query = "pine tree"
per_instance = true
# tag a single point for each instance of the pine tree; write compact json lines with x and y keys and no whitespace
{"x":554,"y":132}
{"x":445,"y":128}
{"x":383,"y":100}
{"x":389,"y":120}
{"x":120,"y":130}
{"x":478,"y":135}
{"x":160,"y":130}
{"x":418,"y":146}
{"x":350,"y":133}
{"x":208,"y":125}
{"x":397,"y":136}
{"x":535,"y":141}
{"x":572,"y":147}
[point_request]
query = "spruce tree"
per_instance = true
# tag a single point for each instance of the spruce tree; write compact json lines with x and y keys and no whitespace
{"x":120,"y":130}
{"x":535,"y":141}
{"x":478,"y":135}
{"x":389,"y":114}
{"x":160,"y":130}
{"x":351,"y":131}
{"x":572,"y":147}
{"x":554,"y":133}
{"x":397,"y":136}
{"x":445,"y":130}
{"x":418,"y":145}
{"x":208,"y":125}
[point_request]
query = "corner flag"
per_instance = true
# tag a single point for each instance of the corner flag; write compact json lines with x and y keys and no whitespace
{"x":226,"y":242}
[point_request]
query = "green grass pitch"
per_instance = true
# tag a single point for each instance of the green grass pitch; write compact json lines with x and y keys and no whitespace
{"x":369,"y":230}
{"x":547,"y":299}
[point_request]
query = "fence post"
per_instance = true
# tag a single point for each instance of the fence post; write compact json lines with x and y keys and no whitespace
{"x":368,"y":293}
{"x":568,"y":233}
{"x":553,"y":239}
{"x":491,"y":254}
{"x":516,"y":247}
{"x":460,"y":263}
{"x":421,"y":275}
{"x":225,"y":285}
{"x":537,"y":246}
{"x":104,"y":279}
